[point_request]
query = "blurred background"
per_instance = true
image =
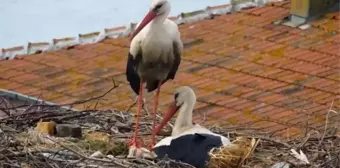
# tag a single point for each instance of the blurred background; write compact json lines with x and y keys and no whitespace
{"x":42,"y":20}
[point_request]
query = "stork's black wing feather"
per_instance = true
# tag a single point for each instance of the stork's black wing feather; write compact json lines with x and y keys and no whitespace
{"x":131,"y":72}
{"x":177,"y":62}
{"x":192,"y":148}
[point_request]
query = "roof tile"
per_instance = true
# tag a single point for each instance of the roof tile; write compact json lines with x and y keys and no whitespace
{"x":11,"y":73}
{"x":261,"y":10}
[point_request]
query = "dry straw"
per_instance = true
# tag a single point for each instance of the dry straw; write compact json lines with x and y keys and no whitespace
{"x":233,"y":155}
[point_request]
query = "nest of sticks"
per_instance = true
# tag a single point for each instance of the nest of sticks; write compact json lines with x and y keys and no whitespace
{"x":21,"y":146}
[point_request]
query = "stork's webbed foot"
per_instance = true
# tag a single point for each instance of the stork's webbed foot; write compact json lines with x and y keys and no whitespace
{"x":135,"y":152}
{"x":134,"y":141}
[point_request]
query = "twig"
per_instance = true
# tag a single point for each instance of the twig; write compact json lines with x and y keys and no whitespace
{"x":304,"y":141}
{"x":89,"y":158}
{"x":96,"y":97}
{"x":144,"y":105}
{"x":326,"y":124}
{"x":69,"y":104}
{"x":158,"y":116}
{"x":273,"y":140}
{"x":8,"y":113}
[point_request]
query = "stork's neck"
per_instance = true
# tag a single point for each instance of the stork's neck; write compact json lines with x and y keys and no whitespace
{"x":158,"y":21}
{"x":184,"y":118}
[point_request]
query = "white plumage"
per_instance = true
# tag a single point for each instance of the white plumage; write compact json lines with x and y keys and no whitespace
{"x":195,"y":129}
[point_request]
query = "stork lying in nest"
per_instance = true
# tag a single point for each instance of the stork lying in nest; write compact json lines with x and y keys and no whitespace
{"x":193,"y":144}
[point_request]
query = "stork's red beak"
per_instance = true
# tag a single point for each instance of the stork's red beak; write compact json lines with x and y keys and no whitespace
{"x":148,"y":18}
{"x":167,"y":116}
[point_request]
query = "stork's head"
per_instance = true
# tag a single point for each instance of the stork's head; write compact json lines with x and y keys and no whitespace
{"x":183,"y":96}
{"x":158,"y":8}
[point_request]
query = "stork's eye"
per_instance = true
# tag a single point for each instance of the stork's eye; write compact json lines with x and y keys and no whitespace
{"x":158,"y":6}
{"x":176,"y":95}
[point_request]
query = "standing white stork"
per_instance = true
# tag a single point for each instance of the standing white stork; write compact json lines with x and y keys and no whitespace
{"x":154,"y":56}
{"x":188,"y":143}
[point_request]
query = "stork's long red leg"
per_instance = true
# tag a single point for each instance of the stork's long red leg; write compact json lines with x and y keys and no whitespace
{"x":154,"y":114}
{"x":135,"y":141}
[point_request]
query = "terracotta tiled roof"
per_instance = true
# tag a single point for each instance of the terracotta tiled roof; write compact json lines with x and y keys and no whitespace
{"x":245,"y":71}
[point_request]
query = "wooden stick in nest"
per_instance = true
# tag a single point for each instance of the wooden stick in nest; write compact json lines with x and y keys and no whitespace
{"x":233,"y":155}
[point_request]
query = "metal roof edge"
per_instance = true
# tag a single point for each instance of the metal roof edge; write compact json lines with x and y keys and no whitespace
{"x":31,"y":99}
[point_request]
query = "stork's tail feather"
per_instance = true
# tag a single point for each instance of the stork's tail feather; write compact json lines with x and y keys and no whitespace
{"x":151,"y":86}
